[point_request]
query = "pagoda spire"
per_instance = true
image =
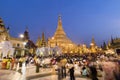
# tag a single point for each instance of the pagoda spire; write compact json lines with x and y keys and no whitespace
{"x":3,"y":31}
{"x":1,"y":23}
{"x":43,"y":36}
{"x":59,"y":30}
{"x":93,"y":41}
{"x":38,"y":42}
{"x":2,"y":26}
{"x":43,"y":40}
{"x":112,"y":40}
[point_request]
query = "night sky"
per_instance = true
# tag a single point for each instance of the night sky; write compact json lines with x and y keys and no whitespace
{"x":81,"y":19}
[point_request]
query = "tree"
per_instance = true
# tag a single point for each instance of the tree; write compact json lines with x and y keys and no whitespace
{"x":104,"y":46}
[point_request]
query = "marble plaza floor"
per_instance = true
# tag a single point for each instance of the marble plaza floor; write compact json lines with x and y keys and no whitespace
{"x":13,"y":75}
{"x":54,"y":77}
{"x":44,"y":74}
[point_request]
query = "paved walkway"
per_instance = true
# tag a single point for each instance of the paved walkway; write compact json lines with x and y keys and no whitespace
{"x":44,"y":74}
{"x":6,"y":74}
{"x":54,"y":77}
{"x":13,"y":75}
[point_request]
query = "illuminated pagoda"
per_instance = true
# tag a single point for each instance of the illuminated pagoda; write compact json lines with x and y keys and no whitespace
{"x":41,"y":42}
{"x":114,"y":43}
{"x":112,"y":46}
{"x":61,"y":40}
{"x":38,"y":42}
{"x":93,"y":47}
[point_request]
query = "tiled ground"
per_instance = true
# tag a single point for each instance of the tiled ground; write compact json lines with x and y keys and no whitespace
{"x":54,"y":77}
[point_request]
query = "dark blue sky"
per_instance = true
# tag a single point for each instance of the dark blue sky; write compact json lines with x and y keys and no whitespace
{"x":81,"y":19}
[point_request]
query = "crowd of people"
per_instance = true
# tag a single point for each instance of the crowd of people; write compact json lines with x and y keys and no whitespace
{"x":92,"y":66}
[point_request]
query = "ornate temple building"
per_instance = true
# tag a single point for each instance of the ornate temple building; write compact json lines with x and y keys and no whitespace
{"x":38,"y":42}
{"x":3,"y":31}
{"x":20,"y":42}
{"x":113,"y":44}
{"x":93,"y":46}
{"x":41,"y":42}
{"x":61,"y":40}
{"x":17,"y":43}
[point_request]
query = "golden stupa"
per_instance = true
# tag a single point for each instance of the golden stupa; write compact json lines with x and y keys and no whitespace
{"x":61,"y":40}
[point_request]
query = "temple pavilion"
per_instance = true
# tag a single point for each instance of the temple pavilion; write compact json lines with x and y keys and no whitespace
{"x":17,"y":43}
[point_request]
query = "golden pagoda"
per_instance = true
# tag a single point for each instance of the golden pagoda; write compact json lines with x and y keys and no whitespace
{"x":61,"y":40}
{"x":38,"y":42}
{"x":41,"y":42}
{"x":93,"y":47}
{"x":114,"y":43}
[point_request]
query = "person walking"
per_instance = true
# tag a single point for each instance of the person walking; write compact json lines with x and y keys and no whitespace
{"x":93,"y":73}
{"x":37,"y":61}
{"x":13,"y":62}
{"x":64,"y":71}
{"x":71,"y":71}
{"x":59,"y":71}
{"x":63,"y":68}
